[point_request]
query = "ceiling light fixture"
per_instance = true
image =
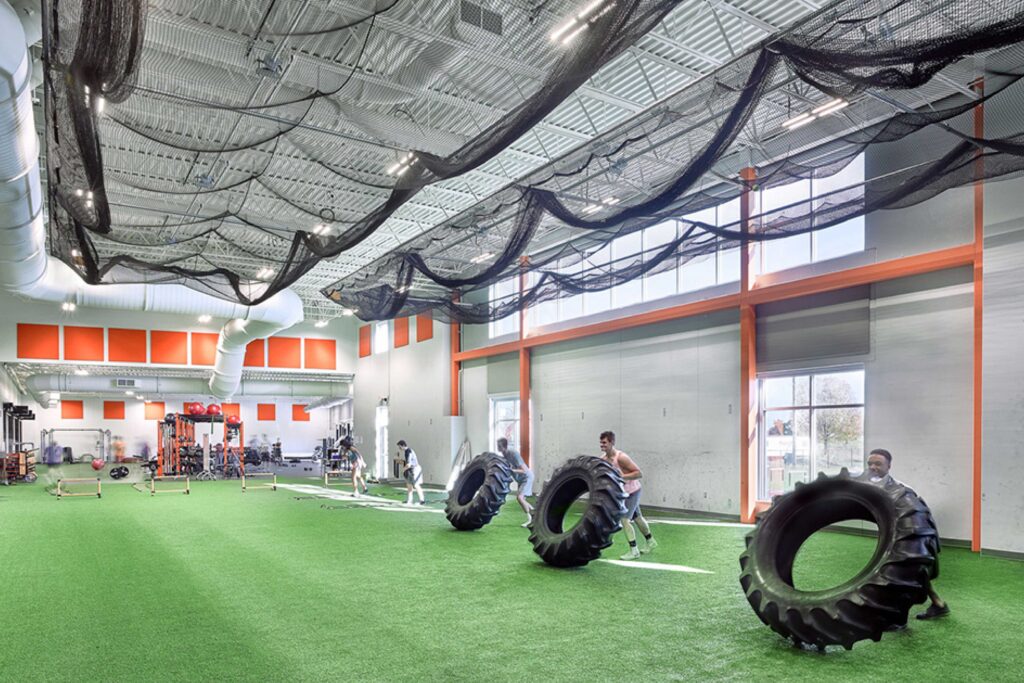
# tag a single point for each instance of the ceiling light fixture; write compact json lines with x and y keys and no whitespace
{"x":346,"y":311}
{"x":81,"y":372}
{"x":604,"y":204}
{"x":578,"y":23}
{"x":822,"y":110}
{"x":68,"y":306}
{"x":204,"y":318}
{"x":320,"y":323}
{"x":129,"y":393}
{"x":75,"y":253}
{"x":320,"y":228}
{"x":403,"y":165}
{"x":264,"y":273}
{"x":481,"y":258}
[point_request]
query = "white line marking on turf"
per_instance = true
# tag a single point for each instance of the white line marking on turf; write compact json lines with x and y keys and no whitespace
{"x":657,"y":565}
{"x":403,"y":508}
{"x":375,"y":502}
{"x":691,"y":522}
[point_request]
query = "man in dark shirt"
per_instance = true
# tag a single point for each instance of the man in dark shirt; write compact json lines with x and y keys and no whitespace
{"x":879,"y":464}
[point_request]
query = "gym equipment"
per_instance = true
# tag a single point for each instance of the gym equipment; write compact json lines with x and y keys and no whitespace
{"x":173,"y":477}
{"x":97,"y":464}
{"x":102,"y":442}
{"x":213,"y":409}
{"x":169,"y":418}
{"x":605,"y":509}
{"x":196,"y":409}
{"x":118,"y":472}
{"x":879,"y":596}
{"x":272,"y":485}
{"x":64,"y":493}
{"x":233,"y":420}
{"x":479,"y":492}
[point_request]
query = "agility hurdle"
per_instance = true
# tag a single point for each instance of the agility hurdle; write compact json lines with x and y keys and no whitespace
{"x":64,"y":494}
{"x":272,"y":485}
{"x":170,"y":477}
{"x":335,"y":473}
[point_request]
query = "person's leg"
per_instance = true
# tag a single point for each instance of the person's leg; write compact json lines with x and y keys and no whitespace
{"x":937,"y":609}
{"x":408,"y":491}
{"x":631,"y":506}
{"x":645,"y":529}
{"x":419,"y":492}
{"x":526,"y":489}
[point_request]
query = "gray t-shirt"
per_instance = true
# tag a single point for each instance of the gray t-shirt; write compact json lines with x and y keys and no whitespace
{"x":516,"y":462}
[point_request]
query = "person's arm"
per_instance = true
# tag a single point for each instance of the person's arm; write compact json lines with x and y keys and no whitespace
{"x":629,"y":468}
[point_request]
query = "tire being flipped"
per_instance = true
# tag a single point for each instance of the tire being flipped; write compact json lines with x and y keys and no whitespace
{"x":879,"y":596}
{"x":479,"y":492}
{"x":601,"y":519}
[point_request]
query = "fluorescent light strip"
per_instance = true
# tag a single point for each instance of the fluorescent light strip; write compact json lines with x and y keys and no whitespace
{"x":799,"y":120}
{"x":562,"y":29}
{"x":834,"y":108}
{"x":589,"y":8}
{"x":820,"y":108}
{"x":568,"y":38}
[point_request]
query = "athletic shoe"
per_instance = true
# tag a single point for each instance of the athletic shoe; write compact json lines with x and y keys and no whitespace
{"x":527,"y":523}
{"x":934,"y":612}
{"x":423,"y":502}
{"x":651,"y":545}
{"x":633,"y":554}
{"x":896,"y":627}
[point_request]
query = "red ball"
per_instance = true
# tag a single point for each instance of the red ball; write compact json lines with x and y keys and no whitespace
{"x":213,"y":409}
{"x":196,"y":409}
{"x":97,"y":464}
{"x":233,"y":420}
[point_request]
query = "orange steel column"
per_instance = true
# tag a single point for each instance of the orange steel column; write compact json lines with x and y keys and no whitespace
{"x":455,"y":346}
{"x":524,"y":376}
{"x":979,"y":251}
{"x":748,"y":358}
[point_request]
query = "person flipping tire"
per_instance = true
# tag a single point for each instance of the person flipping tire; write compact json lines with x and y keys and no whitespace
{"x":479,"y":492}
{"x":879,"y":596}
{"x":602,"y":518}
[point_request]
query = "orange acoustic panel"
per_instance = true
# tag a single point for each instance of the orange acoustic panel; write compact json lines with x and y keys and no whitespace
{"x":126,"y":346}
{"x":365,"y":349}
{"x":284,"y":352}
{"x":401,"y":332}
{"x":266,"y":412}
{"x":321,"y":354}
{"x":38,"y":341}
{"x":231,"y":409}
{"x":113,"y":410}
{"x":424,"y":327}
{"x":299,"y":413}
{"x":155,"y":410}
{"x":255,"y":354}
{"x":71,"y":410}
{"x":204,"y":348}
{"x":168,"y":347}
{"x":83,"y":343}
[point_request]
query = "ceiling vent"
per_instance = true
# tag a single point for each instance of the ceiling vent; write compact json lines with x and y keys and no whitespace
{"x":481,"y":17}
{"x":124,"y":383}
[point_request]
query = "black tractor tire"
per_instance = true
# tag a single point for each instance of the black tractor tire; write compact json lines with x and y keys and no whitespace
{"x":601,"y":520}
{"x":879,"y":596}
{"x":479,"y":492}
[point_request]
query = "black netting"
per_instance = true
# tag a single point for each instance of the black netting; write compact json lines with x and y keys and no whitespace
{"x":884,"y":62}
{"x":895,"y":68}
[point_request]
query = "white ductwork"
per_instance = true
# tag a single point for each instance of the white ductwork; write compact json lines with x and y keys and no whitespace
{"x":40,"y":386}
{"x":27,"y":271}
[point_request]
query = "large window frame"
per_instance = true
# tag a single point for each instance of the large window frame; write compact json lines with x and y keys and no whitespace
{"x":791,"y":451}
{"x":503,"y":419}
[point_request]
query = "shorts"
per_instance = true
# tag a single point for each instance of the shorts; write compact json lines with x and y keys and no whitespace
{"x":525,"y":482}
{"x":414,"y":475}
{"x":633,"y":505}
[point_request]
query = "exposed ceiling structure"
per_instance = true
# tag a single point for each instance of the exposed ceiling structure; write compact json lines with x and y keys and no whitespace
{"x":424,"y":74}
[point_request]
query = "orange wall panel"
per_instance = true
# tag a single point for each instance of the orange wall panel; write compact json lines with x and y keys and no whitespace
{"x":155,"y":410}
{"x":284,"y":352}
{"x":255,"y":354}
{"x":266,"y":412}
{"x":126,"y":346}
{"x":71,"y":410}
{"x":299,"y":413}
{"x":230,"y":409}
{"x":424,"y":327}
{"x":401,"y":332}
{"x":38,"y":341}
{"x":204,"y":348}
{"x":321,"y":354}
{"x":113,"y":410}
{"x":83,"y":343}
{"x":365,"y":348}
{"x":168,"y":347}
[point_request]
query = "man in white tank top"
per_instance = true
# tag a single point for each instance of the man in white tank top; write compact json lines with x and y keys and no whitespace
{"x":631,"y":474}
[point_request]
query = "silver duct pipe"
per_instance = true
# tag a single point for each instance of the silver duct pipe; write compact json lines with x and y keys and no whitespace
{"x":41,"y":385}
{"x":28,"y":272}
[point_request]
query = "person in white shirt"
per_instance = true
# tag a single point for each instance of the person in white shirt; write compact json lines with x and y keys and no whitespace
{"x":412,"y":472}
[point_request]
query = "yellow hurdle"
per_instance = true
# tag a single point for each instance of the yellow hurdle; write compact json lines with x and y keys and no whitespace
{"x":272,"y":485}
{"x":64,"y":494}
{"x":334,"y":473}
{"x":171,"y":477}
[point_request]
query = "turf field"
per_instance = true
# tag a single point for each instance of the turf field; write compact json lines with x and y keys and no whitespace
{"x":273,"y":586}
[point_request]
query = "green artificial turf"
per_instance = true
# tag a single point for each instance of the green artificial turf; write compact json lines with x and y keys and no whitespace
{"x":267,"y":587}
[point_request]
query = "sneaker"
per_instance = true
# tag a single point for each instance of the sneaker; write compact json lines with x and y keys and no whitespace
{"x":896,"y":627}
{"x":527,"y":523}
{"x":423,"y":502}
{"x":934,"y":612}
{"x":651,"y":545}
{"x":633,"y":554}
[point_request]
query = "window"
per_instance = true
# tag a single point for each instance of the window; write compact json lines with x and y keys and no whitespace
{"x":794,"y":199}
{"x":381,"y":337}
{"x":809,"y":423}
{"x":504,"y":292}
{"x":504,"y":420}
